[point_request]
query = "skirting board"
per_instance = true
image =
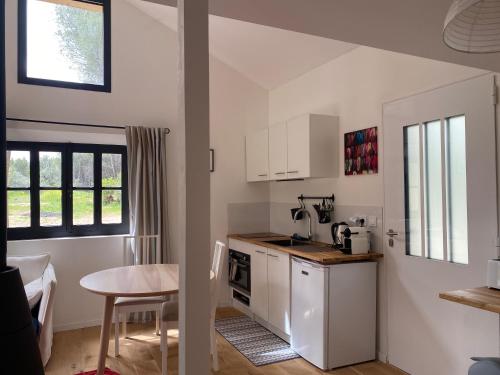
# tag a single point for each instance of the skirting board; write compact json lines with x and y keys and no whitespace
{"x":77,"y":325}
{"x":98,"y":322}
{"x":382,"y":357}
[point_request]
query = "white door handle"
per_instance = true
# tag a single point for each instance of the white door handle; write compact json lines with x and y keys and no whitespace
{"x":391,"y":233}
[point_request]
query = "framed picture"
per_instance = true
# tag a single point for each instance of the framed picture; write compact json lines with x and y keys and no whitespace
{"x":361,"y":152}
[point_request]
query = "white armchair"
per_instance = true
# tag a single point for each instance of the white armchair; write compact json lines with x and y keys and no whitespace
{"x":33,"y":268}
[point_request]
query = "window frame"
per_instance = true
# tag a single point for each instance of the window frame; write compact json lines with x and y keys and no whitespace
{"x":67,"y":229}
{"x":22,"y":52}
{"x":445,"y":191}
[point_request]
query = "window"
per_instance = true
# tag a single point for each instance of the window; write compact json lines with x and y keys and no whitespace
{"x":65,"y":43}
{"x":60,"y":190}
{"x":436,"y":190}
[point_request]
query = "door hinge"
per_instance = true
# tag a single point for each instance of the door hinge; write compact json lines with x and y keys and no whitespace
{"x":494,"y":95}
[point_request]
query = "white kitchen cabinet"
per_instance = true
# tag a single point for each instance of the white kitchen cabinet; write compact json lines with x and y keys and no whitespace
{"x":312,"y":146}
{"x":298,"y":146}
{"x":270,"y":286}
{"x":257,"y":156}
{"x":278,"y":151}
{"x":259,"y":302}
{"x":278,"y":278}
{"x":306,"y":146}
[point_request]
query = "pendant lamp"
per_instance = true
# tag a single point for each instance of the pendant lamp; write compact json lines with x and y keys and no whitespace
{"x":473,"y":26}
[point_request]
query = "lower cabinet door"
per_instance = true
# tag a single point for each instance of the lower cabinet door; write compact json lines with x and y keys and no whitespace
{"x":278,"y":275}
{"x":258,"y":279}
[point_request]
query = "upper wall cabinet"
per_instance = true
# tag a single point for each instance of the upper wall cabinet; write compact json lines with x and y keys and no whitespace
{"x":257,"y":150}
{"x":303,"y":147}
{"x":277,"y":151}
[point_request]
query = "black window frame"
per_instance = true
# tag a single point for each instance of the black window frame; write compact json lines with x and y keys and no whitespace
{"x":67,"y":229}
{"x":22,"y":61}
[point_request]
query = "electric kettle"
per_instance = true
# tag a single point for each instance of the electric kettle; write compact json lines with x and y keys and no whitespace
{"x":338,"y":235}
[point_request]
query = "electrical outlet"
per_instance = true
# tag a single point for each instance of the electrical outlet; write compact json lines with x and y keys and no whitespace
{"x":356,"y":220}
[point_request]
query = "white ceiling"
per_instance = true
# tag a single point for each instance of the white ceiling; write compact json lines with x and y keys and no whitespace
{"x":266,"y":55}
{"x":409,"y":26}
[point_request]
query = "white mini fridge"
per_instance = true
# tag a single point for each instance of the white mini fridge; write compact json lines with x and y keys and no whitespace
{"x":333,"y":312}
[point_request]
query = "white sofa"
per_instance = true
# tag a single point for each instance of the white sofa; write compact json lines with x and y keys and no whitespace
{"x":37,"y":270}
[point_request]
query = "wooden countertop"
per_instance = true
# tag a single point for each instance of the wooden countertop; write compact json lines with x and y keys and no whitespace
{"x":325,"y":255}
{"x":482,"y":298}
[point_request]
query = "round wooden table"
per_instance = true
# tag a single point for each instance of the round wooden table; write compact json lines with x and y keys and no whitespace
{"x":131,"y":281}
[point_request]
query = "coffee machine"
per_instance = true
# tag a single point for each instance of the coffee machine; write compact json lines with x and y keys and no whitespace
{"x":350,"y":240}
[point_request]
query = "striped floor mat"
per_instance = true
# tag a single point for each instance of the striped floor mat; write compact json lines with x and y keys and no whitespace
{"x":259,"y":345}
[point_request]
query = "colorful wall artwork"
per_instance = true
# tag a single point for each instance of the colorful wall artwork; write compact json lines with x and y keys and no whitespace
{"x":361,"y":152}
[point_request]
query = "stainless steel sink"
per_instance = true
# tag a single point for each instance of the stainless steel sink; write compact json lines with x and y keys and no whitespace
{"x":310,"y":248}
{"x":299,"y":245}
{"x":287,"y":243}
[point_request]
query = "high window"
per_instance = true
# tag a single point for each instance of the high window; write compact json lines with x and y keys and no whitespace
{"x":436,"y":189}
{"x":60,"y":190}
{"x":65,"y":43}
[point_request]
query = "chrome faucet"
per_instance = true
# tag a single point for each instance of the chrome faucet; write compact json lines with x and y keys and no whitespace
{"x":304,"y":210}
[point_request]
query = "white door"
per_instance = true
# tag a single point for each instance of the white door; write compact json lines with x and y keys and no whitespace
{"x":278,"y":271}
{"x":257,"y":152}
{"x":298,"y":147}
{"x":277,"y":151}
{"x":258,"y":278}
{"x":440,"y":201}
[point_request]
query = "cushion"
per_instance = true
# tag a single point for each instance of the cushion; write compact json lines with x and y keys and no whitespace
{"x":34,"y":291}
{"x":170,"y":311}
{"x":31,"y":267}
{"x":128,"y":301}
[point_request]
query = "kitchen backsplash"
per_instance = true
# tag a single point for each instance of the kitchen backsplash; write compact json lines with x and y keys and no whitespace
{"x":248,"y":217}
{"x":281,"y":222}
{"x":276,"y":217}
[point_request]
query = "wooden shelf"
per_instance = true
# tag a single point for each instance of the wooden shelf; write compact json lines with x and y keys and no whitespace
{"x":481,"y":298}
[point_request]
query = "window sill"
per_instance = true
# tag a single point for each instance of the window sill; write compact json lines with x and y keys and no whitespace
{"x":73,"y":238}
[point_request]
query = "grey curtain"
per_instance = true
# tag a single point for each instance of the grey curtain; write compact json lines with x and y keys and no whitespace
{"x":147,"y":177}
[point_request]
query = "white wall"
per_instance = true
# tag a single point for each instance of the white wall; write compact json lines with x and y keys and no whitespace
{"x":237,"y":106}
{"x":73,"y":259}
{"x":354,"y":87}
{"x":144,"y":92}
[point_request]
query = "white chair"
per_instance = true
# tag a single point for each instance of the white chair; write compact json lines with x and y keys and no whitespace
{"x":170,"y":313}
{"x":143,"y":247}
{"x":35,"y":268}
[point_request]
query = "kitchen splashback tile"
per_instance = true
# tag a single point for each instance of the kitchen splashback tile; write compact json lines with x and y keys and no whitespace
{"x":281,"y":221}
{"x":248,"y":217}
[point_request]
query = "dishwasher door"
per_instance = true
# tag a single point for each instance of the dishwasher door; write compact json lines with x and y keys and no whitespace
{"x":309,"y":315}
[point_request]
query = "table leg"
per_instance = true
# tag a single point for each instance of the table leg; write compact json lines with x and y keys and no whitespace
{"x":105,"y":329}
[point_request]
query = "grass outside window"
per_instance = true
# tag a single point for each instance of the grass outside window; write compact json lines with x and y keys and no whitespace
{"x":62,"y":190}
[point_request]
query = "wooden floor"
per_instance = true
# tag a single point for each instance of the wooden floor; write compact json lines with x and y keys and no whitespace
{"x":76,"y":351}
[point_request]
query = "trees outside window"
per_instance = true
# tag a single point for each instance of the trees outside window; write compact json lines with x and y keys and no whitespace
{"x":59,"y":190}
{"x":65,"y":43}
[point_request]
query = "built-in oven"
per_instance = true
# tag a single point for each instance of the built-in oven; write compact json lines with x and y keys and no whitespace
{"x":239,"y":271}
